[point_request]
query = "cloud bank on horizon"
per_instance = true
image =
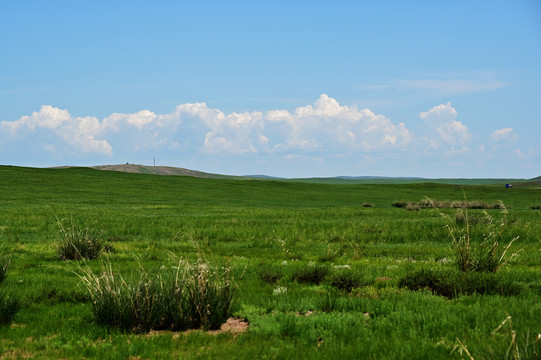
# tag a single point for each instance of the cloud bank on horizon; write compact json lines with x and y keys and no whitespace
{"x":308,"y":141}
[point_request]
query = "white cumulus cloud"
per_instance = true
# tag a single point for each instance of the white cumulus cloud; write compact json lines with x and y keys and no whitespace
{"x":79,"y":132}
{"x":332,"y":127}
{"x":503,"y":134}
{"x":442,"y":128}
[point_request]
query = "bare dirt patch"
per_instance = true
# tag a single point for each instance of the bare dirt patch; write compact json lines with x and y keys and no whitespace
{"x":232,"y":325}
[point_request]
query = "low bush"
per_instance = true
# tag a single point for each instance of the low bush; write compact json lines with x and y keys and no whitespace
{"x":535,"y":207}
{"x":368,"y":205}
{"x":453,"y":283}
{"x":399,"y":204}
{"x":311,"y":274}
{"x":80,"y":242}
{"x":191,"y":296}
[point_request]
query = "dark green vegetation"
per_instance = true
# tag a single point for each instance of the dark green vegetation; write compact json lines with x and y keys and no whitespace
{"x":319,"y":275}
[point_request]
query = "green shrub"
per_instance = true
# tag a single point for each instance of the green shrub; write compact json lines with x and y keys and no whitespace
{"x":368,"y":205}
{"x":535,"y":207}
{"x":311,"y":274}
{"x":8,"y":307}
{"x":191,"y":296}
{"x":78,"y":242}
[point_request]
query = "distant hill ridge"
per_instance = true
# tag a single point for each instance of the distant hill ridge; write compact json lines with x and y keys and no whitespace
{"x":157,"y":170}
{"x":169,"y":170}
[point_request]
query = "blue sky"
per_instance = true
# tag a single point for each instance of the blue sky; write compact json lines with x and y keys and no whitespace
{"x":283,"y":88}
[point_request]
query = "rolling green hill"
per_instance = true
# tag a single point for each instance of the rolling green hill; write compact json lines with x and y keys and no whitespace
{"x":324,"y":271}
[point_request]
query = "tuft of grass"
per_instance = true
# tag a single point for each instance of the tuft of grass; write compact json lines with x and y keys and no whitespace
{"x":311,"y":274}
{"x":78,"y":242}
{"x":412,"y":207}
{"x":511,"y":346}
{"x":9,"y":306}
{"x":4,"y":265}
{"x":399,"y":204}
{"x":189,"y":296}
{"x":345,"y":280}
{"x":368,"y":205}
{"x":485,"y":254}
{"x":452,"y":283}
{"x":271,"y":274}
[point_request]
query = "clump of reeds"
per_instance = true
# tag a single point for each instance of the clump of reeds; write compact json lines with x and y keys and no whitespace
{"x":80,"y":242}
{"x":189,"y":296}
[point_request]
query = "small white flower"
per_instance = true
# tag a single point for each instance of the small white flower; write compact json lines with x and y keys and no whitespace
{"x":279,"y":290}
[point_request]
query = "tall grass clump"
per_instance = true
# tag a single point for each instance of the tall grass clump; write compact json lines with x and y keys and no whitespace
{"x":484,"y":254}
{"x":311,"y":274}
{"x":4,"y":265}
{"x":346,"y":280}
{"x":451,"y":283}
{"x":80,"y":242}
{"x":8,"y":304}
{"x":189,"y":296}
{"x":504,"y":343}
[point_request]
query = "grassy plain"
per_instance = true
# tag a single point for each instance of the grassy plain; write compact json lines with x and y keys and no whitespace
{"x":270,"y":233}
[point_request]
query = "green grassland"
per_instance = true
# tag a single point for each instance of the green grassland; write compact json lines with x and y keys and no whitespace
{"x":320,"y":268}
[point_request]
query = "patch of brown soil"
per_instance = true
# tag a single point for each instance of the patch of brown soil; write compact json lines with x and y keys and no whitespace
{"x":233,"y":325}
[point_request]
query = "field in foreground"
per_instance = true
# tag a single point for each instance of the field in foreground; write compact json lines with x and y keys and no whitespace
{"x":323,"y":271}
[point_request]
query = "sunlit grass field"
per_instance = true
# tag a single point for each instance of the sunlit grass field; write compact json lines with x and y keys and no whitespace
{"x":319,"y":268}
